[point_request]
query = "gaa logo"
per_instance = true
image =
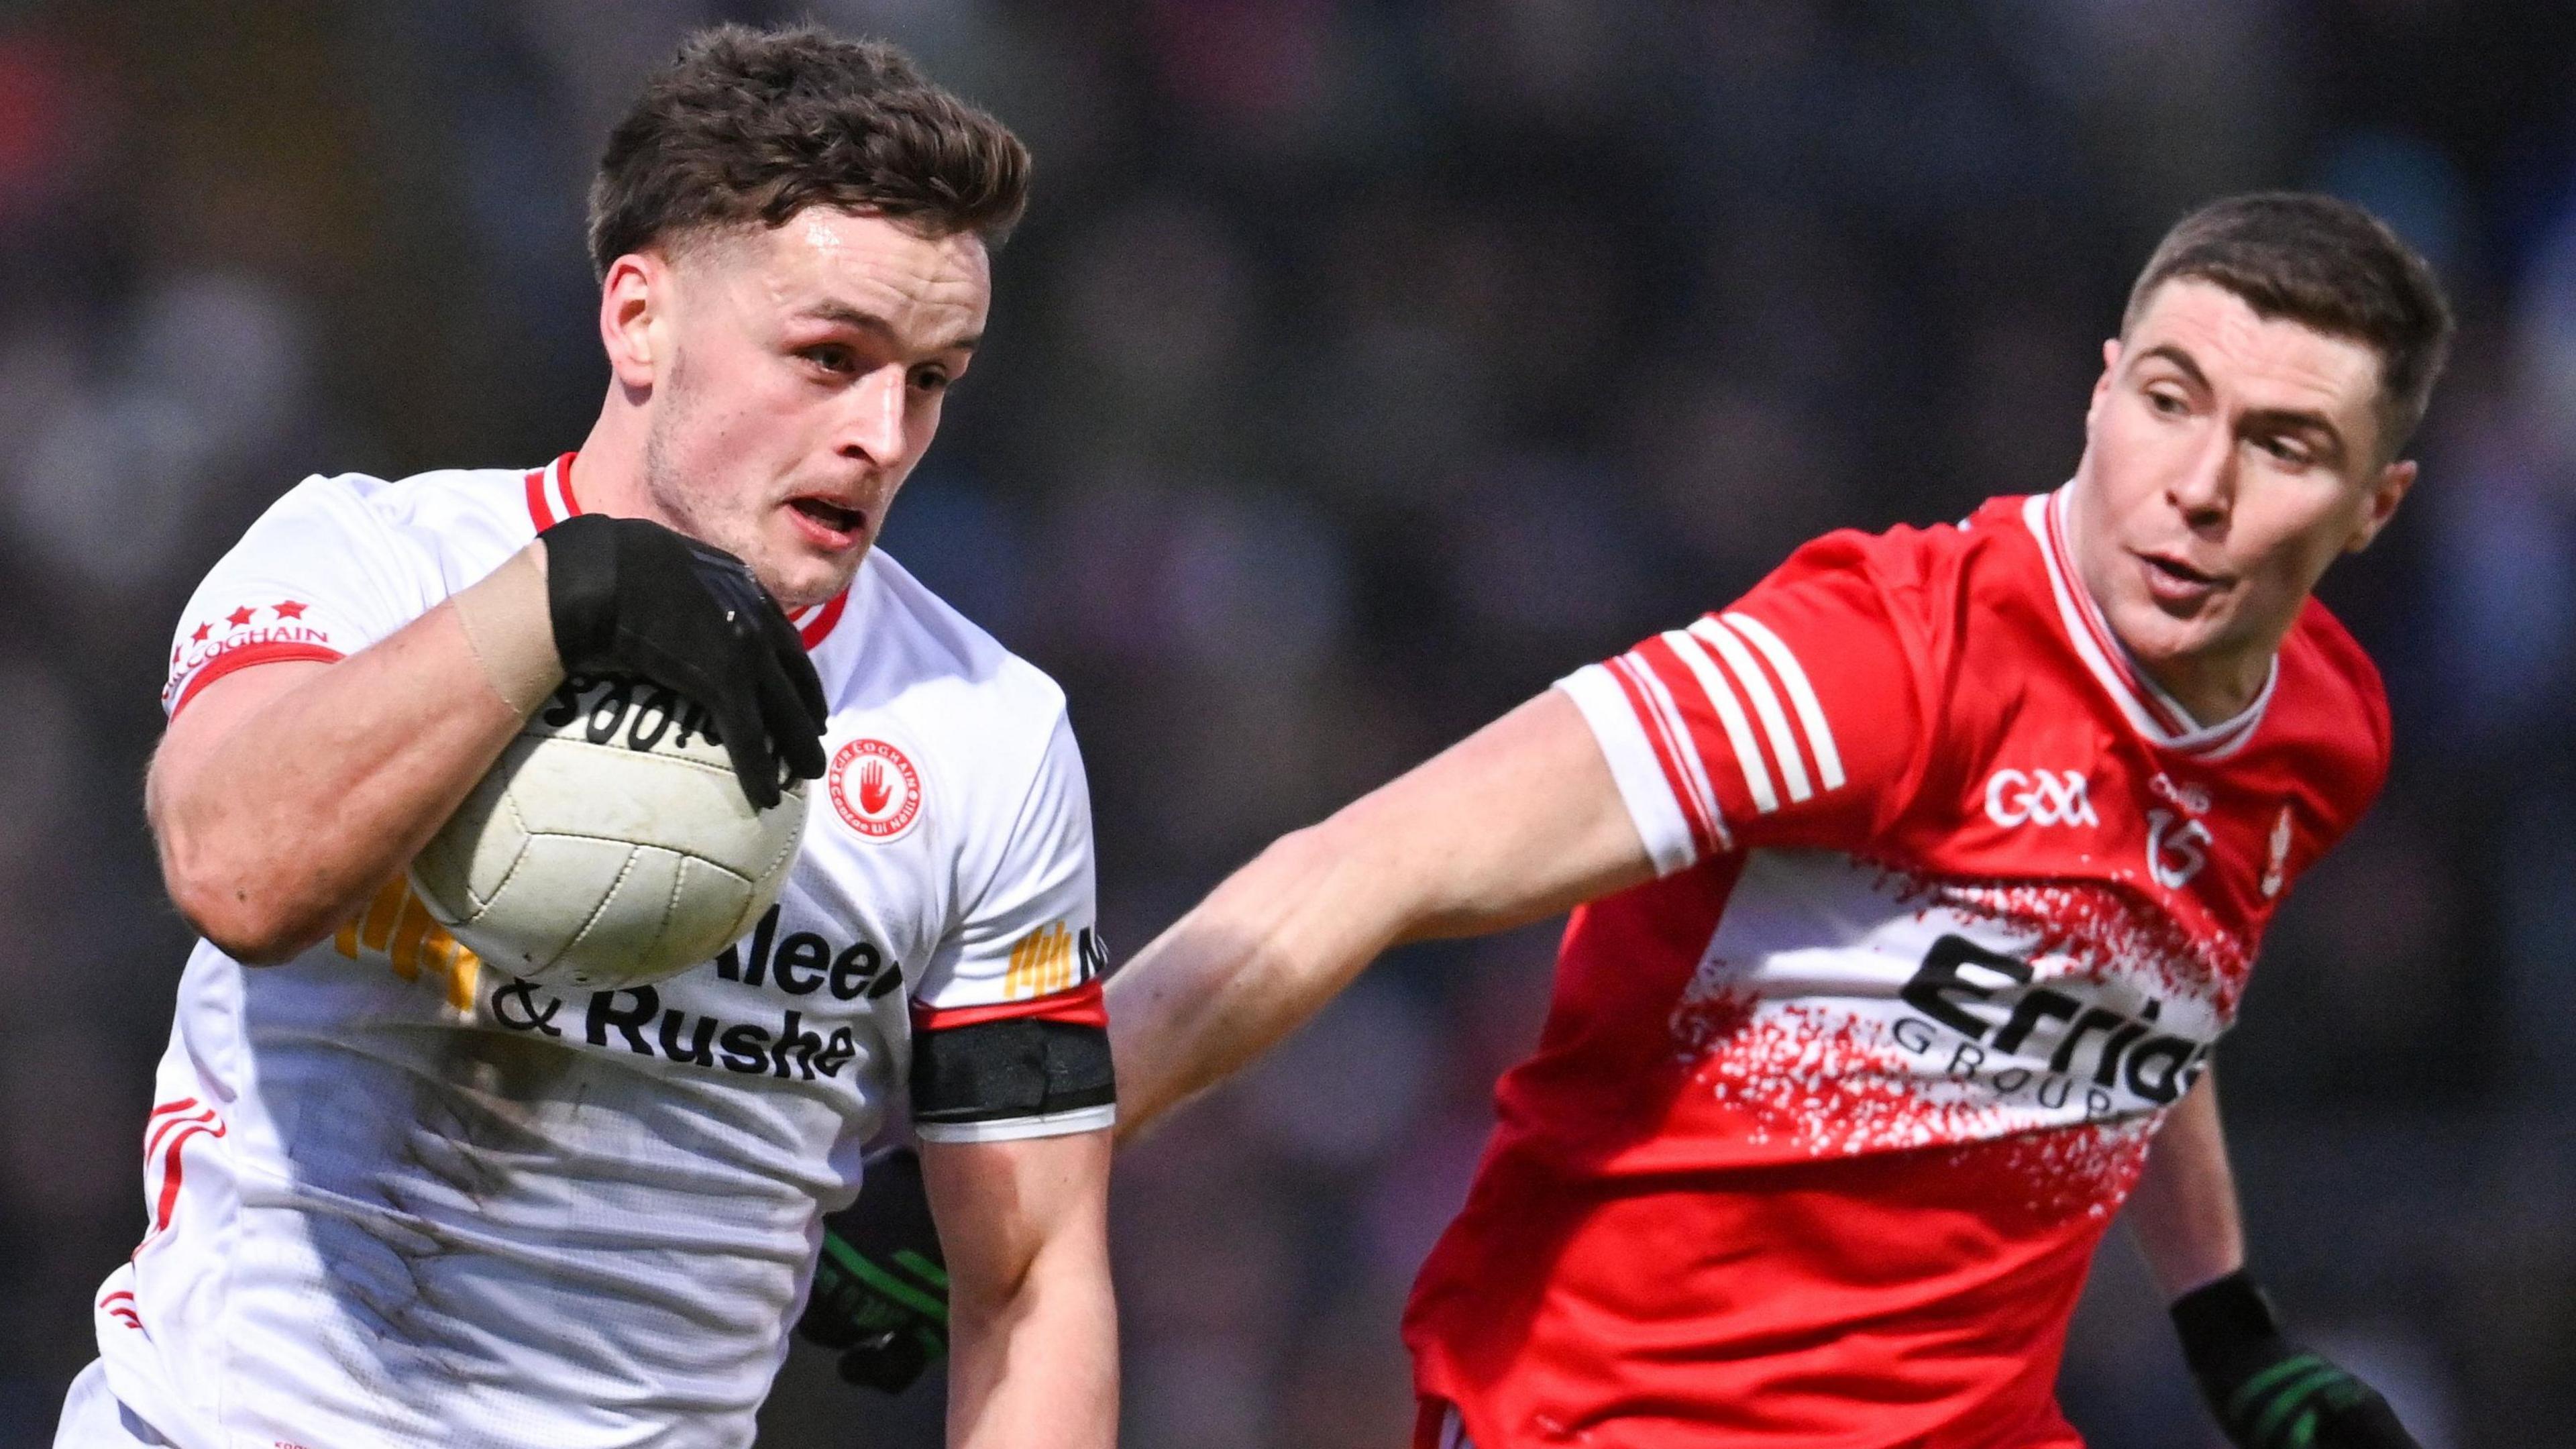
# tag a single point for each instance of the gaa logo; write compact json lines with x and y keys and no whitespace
{"x":875,"y":788}
{"x":2041,"y":797}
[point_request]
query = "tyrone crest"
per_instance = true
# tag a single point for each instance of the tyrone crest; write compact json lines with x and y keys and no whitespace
{"x":875,"y":788}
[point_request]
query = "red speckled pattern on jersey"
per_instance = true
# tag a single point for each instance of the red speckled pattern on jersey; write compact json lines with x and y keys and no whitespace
{"x":2110,"y":933}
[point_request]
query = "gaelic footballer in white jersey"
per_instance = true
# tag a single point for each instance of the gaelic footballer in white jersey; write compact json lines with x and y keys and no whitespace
{"x":397,"y":1196}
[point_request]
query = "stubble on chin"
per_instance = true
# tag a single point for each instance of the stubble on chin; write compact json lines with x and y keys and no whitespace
{"x":823,"y":583}
{"x":682,"y":503}
{"x":669,"y":490}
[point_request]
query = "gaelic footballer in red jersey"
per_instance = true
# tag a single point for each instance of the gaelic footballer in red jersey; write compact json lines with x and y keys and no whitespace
{"x":1912,"y":892}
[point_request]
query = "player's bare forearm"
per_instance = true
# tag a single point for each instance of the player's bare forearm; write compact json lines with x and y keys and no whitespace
{"x":1033,"y":1323}
{"x":2184,"y":1211}
{"x":283,"y":794}
{"x":1515,"y":823}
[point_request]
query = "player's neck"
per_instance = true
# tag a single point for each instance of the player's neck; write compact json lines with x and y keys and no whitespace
{"x":611,"y":464}
{"x":2212,"y":688}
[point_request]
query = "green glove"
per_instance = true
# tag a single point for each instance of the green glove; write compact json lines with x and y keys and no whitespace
{"x":881,"y":1287}
{"x":2268,"y":1392}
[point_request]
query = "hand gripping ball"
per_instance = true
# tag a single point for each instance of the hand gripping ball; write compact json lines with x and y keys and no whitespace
{"x":610,"y":845}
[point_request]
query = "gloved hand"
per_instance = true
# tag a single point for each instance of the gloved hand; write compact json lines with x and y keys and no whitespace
{"x":2268,"y":1392}
{"x":629,"y":596}
{"x":881,"y":1287}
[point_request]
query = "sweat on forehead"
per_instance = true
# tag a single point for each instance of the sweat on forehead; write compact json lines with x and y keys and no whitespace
{"x":827,"y":250}
{"x":813,"y":226}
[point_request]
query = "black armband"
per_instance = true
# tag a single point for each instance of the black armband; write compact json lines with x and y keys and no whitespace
{"x":996,"y":1071}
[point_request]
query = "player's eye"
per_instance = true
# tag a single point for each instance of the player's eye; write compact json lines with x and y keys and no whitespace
{"x":2286,"y":449}
{"x":830,"y":357}
{"x":931,"y":379}
{"x":2168,"y":402}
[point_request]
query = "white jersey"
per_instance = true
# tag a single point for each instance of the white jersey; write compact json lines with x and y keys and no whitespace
{"x":398,"y":1197}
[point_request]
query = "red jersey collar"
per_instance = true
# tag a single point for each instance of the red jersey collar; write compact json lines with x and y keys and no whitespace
{"x":551,"y":500}
{"x":2154,"y":712}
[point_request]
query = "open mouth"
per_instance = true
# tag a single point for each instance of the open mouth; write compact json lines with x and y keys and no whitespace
{"x":2178,"y":585}
{"x":830,"y":517}
{"x":2177,"y":570}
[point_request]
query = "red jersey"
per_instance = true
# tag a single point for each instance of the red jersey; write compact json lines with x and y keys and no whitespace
{"x":1826,"y":1121}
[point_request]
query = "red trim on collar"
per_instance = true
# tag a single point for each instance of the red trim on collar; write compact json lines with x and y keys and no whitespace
{"x":813,"y":625}
{"x":550,"y":496}
{"x":551,"y":500}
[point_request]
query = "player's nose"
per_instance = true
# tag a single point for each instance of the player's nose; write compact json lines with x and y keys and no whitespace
{"x":2204,"y":488}
{"x":872,"y":425}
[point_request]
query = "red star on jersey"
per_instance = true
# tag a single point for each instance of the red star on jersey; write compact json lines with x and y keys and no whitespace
{"x":238,"y":617}
{"x":202,"y":631}
{"x":290,"y":610}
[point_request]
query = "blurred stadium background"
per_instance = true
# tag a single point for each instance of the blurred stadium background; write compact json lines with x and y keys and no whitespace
{"x":1363,"y":365}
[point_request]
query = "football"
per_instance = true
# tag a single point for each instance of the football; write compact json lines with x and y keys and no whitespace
{"x":610,"y":845}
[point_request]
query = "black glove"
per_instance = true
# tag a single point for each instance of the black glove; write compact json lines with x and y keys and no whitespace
{"x":2268,"y":1392}
{"x":632,"y":597}
{"x":881,"y":1286}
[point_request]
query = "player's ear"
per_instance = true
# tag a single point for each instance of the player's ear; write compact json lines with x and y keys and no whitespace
{"x":2386,"y":492}
{"x":632,"y":298}
{"x":2102,"y":384}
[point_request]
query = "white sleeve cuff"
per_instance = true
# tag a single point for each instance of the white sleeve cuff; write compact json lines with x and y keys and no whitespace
{"x":1642,"y":785}
{"x":1012,"y":1129}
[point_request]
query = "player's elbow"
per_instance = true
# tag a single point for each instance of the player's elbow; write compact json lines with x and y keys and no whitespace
{"x":220,"y":895}
{"x":1065,"y":1275}
{"x":227,"y":912}
{"x":980,"y":1301}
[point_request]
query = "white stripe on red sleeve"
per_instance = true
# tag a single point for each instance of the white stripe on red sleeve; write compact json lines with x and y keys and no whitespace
{"x":1647,"y":785}
{"x":1802,"y":695}
{"x":1702,"y":670}
{"x":1766,"y":705}
{"x":1654,"y":703}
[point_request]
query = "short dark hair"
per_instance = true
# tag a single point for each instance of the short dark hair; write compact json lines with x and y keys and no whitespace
{"x":750,"y":126}
{"x":2326,"y":263}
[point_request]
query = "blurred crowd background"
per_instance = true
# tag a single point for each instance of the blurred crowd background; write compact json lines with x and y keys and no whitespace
{"x":1362,"y":366}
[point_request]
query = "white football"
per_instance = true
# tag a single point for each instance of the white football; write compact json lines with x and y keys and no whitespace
{"x":610,"y":845}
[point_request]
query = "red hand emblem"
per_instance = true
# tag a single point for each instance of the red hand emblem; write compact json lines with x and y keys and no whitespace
{"x":875,"y":788}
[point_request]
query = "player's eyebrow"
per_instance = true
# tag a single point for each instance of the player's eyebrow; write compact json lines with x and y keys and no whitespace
{"x":847,"y":315}
{"x":2173,"y":352}
{"x":2265,"y":420}
{"x":2295,"y":420}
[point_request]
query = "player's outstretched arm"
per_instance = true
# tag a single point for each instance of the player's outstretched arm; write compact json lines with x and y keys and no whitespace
{"x":1515,"y":823}
{"x":1024,"y":1226}
{"x":2267,"y":1392}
